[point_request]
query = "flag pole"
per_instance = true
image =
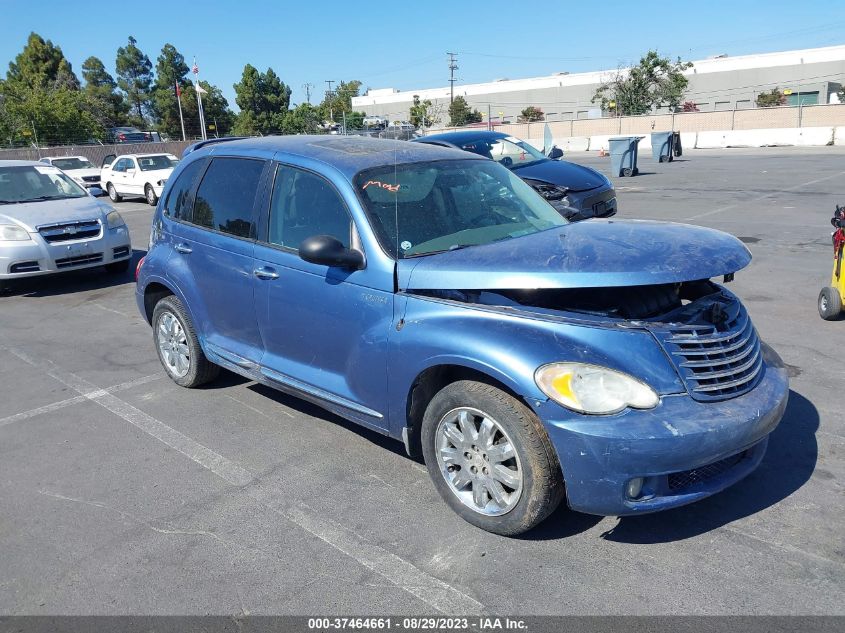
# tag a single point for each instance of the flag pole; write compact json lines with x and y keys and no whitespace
{"x":179,"y":101}
{"x":198,"y":89}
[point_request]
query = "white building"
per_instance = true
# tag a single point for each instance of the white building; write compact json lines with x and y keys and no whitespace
{"x":807,"y":76}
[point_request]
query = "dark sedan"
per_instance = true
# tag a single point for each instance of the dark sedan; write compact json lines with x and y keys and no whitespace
{"x":577,"y":192}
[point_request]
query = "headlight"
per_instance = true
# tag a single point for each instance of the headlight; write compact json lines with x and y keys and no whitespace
{"x":13,"y":233}
{"x":593,"y":389}
{"x":114,"y":220}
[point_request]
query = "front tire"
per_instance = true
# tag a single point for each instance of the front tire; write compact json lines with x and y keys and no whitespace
{"x":830,"y":304}
{"x":490,"y":458}
{"x":150,"y":195}
{"x":178,"y":348}
{"x":113,"y":195}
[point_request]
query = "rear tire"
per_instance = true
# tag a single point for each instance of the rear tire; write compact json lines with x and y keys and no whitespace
{"x":150,"y":195}
{"x":178,"y":348}
{"x":113,"y":195}
{"x":512,"y":479}
{"x":830,"y":304}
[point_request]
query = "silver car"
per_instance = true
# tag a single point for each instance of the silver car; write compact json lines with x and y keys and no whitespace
{"x":50,"y":224}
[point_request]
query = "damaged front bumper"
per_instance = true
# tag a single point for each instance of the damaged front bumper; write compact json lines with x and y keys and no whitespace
{"x":679,"y":452}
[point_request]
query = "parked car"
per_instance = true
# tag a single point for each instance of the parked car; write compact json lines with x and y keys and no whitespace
{"x":435,"y":297}
{"x":576,"y":191}
{"x":77,"y":167}
{"x":137,"y":175}
{"x":126,"y":135}
{"x":50,"y":224}
{"x":374,"y":121}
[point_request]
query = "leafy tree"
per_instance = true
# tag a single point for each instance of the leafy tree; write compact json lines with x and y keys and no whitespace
{"x":41,"y":65}
{"x":771,"y":99}
{"x":263,"y":99}
{"x":531,"y":114}
{"x":460,"y":113}
{"x":423,"y":113}
{"x":52,"y":117}
{"x":303,"y":119}
{"x":355,"y":120}
{"x":100,"y":88}
{"x":171,"y":70}
{"x":656,"y":81}
{"x":340,"y":100}
{"x":135,"y":77}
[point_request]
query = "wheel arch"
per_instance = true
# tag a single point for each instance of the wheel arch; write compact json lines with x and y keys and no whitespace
{"x":431,"y":380}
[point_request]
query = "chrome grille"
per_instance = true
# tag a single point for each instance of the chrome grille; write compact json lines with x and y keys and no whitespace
{"x":79,"y":260}
{"x":67,"y":231}
{"x":716,"y":363}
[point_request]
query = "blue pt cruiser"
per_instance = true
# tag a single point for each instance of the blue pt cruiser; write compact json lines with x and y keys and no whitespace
{"x":436,"y":298}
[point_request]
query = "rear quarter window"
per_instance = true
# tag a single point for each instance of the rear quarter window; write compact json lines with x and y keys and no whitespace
{"x":178,"y":202}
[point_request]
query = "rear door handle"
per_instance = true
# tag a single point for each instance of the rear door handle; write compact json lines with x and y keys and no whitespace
{"x":184,"y":249}
{"x":265,"y":273}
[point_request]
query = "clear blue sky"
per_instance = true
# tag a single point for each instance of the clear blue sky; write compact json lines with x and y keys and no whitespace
{"x":386,"y":45}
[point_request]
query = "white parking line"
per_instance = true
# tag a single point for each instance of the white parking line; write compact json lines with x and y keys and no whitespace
{"x":61,"y":404}
{"x":436,"y":593}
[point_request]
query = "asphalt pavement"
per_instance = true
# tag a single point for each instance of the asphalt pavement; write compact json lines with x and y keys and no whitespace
{"x":122,"y":493}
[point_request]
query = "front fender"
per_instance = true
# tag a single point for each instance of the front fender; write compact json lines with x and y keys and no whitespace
{"x":509,"y":346}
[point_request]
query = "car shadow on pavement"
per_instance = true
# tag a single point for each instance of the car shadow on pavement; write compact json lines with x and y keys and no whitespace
{"x":788,"y":464}
{"x":69,"y":282}
{"x":312,"y":410}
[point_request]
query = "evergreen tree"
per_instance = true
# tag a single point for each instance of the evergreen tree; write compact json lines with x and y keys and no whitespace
{"x":171,"y":70}
{"x":263,"y":99}
{"x":101,"y":89}
{"x":135,"y":78}
{"x":41,"y":65}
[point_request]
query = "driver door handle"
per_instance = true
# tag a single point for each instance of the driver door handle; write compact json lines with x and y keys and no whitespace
{"x":265,"y":273}
{"x":184,"y":249}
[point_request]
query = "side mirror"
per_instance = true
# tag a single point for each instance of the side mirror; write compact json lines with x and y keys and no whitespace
{"x":328,"y":251}
{"x":555,"y":153}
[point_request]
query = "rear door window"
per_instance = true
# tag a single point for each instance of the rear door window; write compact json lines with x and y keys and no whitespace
{"x":226,"y":196}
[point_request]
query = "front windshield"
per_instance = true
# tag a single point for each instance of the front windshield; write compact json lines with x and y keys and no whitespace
{"x":151,"y":163}
{"x":36,"y":183}
{"x":443,"y":205}
{"x":69,"y":164}
{"x":509,"y":151}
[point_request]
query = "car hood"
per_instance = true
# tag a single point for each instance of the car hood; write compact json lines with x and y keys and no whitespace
{"x":563,"y":173}
{"x":82,"y":173}
{"x":33,"y":214}
{"x":155,"y":174}
{"x":591,"y":254}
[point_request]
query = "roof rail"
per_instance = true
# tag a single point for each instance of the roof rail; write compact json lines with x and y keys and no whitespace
{"x":211,"y":141}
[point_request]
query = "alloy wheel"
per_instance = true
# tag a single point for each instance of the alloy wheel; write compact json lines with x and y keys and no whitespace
{"x":173,"y":344}
{"x":478,"y":461}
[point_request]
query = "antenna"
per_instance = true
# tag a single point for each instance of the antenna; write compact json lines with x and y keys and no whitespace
{"x":453,"y":66}
{"x":307,"y":87}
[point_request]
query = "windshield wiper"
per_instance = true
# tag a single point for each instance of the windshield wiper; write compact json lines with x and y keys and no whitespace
{"x":454,"y":247}
{"x":43,"y":198}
